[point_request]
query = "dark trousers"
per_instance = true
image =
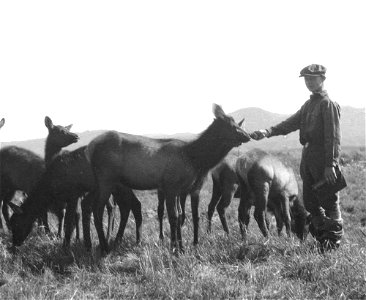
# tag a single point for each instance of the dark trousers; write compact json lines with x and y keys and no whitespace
{"x":311,"y":171}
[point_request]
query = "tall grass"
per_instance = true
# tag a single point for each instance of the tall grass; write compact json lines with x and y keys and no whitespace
{"x":219,"y":267}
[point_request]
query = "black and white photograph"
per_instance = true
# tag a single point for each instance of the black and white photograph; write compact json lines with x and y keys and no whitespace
{"x":182,"y":149}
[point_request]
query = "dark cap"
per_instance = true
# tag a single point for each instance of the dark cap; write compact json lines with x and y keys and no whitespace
{"x":313,"y":70}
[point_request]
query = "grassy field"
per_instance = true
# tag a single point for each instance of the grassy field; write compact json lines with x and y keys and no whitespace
{"x":219,"y":267}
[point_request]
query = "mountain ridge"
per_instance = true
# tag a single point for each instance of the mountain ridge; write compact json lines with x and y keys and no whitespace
{"x":352,"y":128}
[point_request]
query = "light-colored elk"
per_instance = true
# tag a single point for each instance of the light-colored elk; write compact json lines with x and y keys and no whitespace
{"x":268,"y":184}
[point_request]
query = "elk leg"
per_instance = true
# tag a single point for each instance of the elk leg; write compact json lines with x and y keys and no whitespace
{"x":225,"y":201}
{"x":44,"y":221}
{"x":179,"y":227}
{"x":244,"y":210}
{"x":5,"y":213}
{"x":171,"y":206}
{"x":1,"y":222}
{"x":195,"y":200}
{"x":136,"y":211}
{"x":268,"y":222}
{"x":61,"y":221}
{"x":111,"y":209}
{"x":124,"y":208}
{"x":259,"y":215}
{"x":86,"y":211}
{"x":216,"y":194}
{"x":124,"y":213}
{"x":182,"y":199}
{"x":69,"y":221}
{"x":285,"y":206}
{"x":161,"y":199}
{"x":261,"y":191}
{"x":128,"y":201}
{"x":98,"y":210}
{"x":279,"y":221}
{"x":78,"y":218}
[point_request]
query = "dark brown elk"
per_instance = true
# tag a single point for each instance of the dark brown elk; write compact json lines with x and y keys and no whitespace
{"x":171,"y":166}
{"x":194,"y":195}
{"x":21,"y":169}
{"x":269,"y":185}
{"x":67,"y":178}
{"x":225,"y":185}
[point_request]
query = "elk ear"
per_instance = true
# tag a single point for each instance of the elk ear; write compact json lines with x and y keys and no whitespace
{"x":16,"y":209}
{"x":68,"y":127}
{"x":48,"y":122}
{"x":241,"y":123}
{"x":218,"y":111}
{"x":2,"y":122}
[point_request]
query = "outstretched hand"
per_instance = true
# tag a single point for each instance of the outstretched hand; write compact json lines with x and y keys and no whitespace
{"x":259,"y":134}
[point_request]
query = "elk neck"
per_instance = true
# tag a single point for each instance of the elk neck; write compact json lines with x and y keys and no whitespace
{"x":51,"y":150}
{"x":208,"y":149}
{"x":36,"y":202}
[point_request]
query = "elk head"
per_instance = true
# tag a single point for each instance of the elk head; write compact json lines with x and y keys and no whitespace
{"x":229,"y":129}
{"x":58,"y":135}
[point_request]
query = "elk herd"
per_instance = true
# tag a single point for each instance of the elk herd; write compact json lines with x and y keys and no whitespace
{"x":73,"y":185}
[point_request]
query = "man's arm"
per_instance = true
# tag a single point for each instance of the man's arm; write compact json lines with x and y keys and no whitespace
{"x":289,"y":125}
{"x":332,"y":139}
{"x":332,"y":132}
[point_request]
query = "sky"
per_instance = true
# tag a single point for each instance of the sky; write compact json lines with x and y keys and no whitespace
{"x":145,"y":67}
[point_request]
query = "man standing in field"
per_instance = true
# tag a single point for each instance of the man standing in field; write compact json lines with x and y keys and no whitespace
{"x":319,"y":123}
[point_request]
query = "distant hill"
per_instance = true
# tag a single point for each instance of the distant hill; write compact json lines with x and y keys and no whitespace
{"x":37,"y":145}
{"x":353,"y":131}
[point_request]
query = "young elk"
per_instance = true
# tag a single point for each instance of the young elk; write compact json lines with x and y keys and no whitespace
{"x":21,"y":169}
{"x":67,"y":178}
{"x":174,"y":167}
{"x":267,"y":184}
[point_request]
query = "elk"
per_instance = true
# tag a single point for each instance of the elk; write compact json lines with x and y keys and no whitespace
{"x":172,"y":166}
{"x":194,"y":194}
{"x":21,"y":169}
{"x":225,"y":185}
{"x":67,"y":178}
{"x":268,"y":184}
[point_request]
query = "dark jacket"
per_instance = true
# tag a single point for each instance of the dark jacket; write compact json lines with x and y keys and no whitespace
{"x":319,"y":123}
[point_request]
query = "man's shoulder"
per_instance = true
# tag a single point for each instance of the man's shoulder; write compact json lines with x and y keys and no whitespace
{"x":326,"y":101}
{"x":329,"y":106}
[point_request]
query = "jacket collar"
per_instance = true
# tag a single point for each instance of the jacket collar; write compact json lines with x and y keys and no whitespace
{"x":319,"y":95}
